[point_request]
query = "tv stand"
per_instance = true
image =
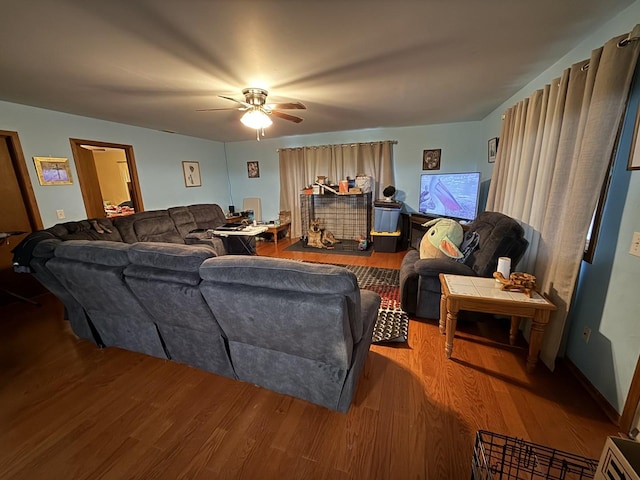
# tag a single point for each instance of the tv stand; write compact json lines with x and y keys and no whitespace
{"x":416,"y":230}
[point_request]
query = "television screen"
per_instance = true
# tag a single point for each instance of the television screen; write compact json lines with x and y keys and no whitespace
{"x":452,"y":195}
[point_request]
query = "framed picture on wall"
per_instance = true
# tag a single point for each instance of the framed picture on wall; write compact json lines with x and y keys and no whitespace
{"x":492,"y":149}
{"x":431,"y":159}
{"x":191,"y":171}
{"x":53,"y":171}
{"x":253,"y":169}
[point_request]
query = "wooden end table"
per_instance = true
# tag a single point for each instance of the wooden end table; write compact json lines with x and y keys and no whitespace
{"x":479,"y":294}
{"x":275,"y":229}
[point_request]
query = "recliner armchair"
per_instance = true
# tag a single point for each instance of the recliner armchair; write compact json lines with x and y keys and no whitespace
{"x":499,"y":236}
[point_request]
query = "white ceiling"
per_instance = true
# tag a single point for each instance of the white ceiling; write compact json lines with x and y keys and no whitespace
{"x":355,"y":64}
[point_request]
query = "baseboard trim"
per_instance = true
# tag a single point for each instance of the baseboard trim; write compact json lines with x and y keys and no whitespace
{"x":602,"y":402}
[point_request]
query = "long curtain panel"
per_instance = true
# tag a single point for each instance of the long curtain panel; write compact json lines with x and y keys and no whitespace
{"x":301,"y":166}
{"x":554,"y":152}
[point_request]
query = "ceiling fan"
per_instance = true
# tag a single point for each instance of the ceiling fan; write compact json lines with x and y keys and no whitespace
{"x":257,"y":110}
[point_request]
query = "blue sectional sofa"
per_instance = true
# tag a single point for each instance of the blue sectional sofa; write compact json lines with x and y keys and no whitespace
{"x":296,"y":328}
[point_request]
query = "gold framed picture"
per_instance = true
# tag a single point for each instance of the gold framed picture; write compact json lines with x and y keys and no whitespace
{"x":191,"y":172}
{"x":53,"y":171}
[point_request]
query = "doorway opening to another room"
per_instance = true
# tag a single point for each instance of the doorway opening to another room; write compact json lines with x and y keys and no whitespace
{"x":108,"y":178}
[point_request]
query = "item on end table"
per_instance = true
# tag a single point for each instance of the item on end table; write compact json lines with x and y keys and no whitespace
{"x":517,"y":282}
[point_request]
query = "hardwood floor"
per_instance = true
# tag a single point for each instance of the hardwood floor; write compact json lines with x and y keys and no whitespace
{"x":70,"y":410}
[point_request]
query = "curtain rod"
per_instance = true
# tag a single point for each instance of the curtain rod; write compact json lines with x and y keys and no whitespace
{"x":633,"y":36}
{"x":393,"y":142}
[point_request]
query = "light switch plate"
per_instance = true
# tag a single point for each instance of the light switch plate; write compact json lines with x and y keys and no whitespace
{"x":60,"y":214}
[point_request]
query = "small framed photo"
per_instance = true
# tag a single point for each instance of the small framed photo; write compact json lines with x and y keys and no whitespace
{"x":53,"y":171}
{"x":493,"y":149}
{"x":431,"y":159}
{"x":191,"y":172}
{"x":253,"y":169}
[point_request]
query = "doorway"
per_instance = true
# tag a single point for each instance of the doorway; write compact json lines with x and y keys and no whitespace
{"x":19,"y":216}
{"x":108,"y":178}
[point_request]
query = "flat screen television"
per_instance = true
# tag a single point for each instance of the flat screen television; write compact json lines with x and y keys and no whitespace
{"x":451,"y":195}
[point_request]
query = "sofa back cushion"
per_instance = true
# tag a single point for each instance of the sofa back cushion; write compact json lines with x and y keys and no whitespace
{"x":150,"y":226}
{"x":93,"y":272}
{"x":126,"y":224}
{"x":183,"y":220}
{"x":290,"y":299}
{"x":169,"y":256}
{"x":289,"y":324}
{"x":499,"y":236}
{"x":91,"y":229}
{"x":160,"y":229}
{"x":165,"y":279}
{"x":207,"y":215}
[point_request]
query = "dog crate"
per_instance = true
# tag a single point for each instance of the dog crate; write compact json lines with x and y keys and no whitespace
{"x":499,"y":457}
{"x":346,"y":216}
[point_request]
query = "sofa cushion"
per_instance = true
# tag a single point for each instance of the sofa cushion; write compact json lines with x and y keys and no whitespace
{"x":170,"y":256}
{"x":165,"y":279}
{"x":93,"y":272}
{"x":183,"y":220}
{"x":290,"y":278}
{"x":207,"y":215}
{"x":94,"y":252}
{"x":86,"y":230}
{"x":161,"y":229}
{"x":126,"y":225}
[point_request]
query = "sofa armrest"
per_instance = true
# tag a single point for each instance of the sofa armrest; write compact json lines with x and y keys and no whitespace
{"x":369,"y":305}
{"x":431,"y":267}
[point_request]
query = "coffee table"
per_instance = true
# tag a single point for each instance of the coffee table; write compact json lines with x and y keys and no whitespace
{"x":479,"y":294}
{"x":244,"y":236}
{"x":275,"y":229}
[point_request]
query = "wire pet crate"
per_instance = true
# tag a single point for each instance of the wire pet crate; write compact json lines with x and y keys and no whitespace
{"x":498,"y":457}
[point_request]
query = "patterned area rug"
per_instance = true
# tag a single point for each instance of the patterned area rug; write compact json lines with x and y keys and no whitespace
{"x":345,"y":247}
{"x":392,"y":325}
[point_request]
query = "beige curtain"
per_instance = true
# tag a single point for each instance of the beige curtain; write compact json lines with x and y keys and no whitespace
{"x":554,"y":150}
{"x":301,"y":166}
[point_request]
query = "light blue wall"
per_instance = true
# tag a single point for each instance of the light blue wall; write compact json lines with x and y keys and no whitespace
{"x":464,"y":149}
{"x":158,"y":157}
{"x":606,"y":298}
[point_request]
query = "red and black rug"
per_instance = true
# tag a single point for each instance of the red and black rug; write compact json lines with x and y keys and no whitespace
{"x":392,"y":325}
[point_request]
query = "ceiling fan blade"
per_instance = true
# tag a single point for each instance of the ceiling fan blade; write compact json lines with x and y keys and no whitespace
{"x":237,"y":101}
{"x":285,"y":116}
{"x":240,"y":109}
{"x":286,"y":106}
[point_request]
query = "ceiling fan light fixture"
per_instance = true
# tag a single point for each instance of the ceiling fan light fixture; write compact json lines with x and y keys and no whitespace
{"x":256,"y":119}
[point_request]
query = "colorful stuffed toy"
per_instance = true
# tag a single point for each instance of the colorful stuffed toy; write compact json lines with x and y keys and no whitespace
{"x":442,"y":239}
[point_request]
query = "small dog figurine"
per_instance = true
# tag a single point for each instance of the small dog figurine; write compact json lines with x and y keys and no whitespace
{"x":319,"y":237}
